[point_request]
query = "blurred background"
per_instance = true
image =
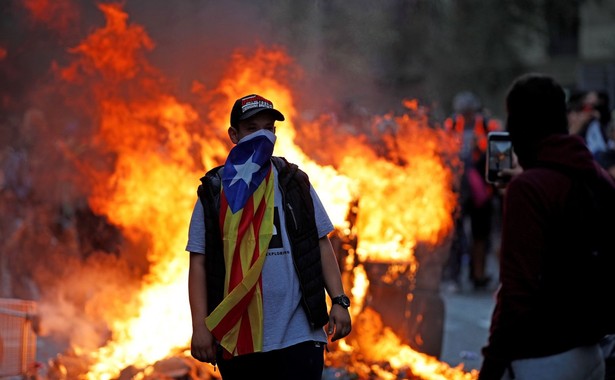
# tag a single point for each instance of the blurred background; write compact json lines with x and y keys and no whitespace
{"x":359,"y":54}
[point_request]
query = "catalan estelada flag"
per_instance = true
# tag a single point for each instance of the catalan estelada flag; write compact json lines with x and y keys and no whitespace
{"x":246,"y":220}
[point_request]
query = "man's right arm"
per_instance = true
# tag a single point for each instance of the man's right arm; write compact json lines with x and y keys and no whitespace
{"x":203,"y":346}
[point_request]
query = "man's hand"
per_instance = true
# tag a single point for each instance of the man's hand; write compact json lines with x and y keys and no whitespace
{"x":339,"y":323}
{"x":505,"y":175}
{"x":203,"y":346}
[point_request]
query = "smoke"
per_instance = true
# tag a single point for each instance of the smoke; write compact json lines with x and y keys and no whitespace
{"x":86,"y":297}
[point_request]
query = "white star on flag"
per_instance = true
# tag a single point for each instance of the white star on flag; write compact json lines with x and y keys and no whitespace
{"x":245,"y":171}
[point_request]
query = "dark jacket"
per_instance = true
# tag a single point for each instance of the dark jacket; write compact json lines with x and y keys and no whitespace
{"x":302,"y":232}
{"x":540,"y":308}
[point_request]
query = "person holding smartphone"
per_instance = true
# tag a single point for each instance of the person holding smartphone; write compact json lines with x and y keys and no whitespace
{"x":542,"y":326}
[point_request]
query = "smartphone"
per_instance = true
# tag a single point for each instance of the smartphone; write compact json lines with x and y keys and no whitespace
{"x":499,"y":155}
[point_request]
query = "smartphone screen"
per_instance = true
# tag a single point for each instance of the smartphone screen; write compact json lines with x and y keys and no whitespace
{"x":499,"y":155}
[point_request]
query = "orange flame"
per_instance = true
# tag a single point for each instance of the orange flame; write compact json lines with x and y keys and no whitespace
{"x":404,"y":195}
{"x":382,"y":345}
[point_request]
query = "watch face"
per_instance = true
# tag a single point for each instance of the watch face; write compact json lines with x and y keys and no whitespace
{"x":345,"y":301}
{"x":342,"y":300}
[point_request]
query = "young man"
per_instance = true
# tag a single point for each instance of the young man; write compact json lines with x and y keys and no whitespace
{"x":544,"y":325}
{"x":261,"y":259}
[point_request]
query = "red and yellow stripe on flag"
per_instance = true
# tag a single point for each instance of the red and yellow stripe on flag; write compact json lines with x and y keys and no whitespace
{"x":237,"y":322}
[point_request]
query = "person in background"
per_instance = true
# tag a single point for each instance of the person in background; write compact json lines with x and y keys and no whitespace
{"x":261,"y":259}
{"x":476,"y":196}
{"x":535,"y":333}
{"x":589,"y":116}
{"x":578,"y":113}
{"x":606,"y":158}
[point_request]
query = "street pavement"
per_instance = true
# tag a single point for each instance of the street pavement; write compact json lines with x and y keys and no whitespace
{"x":467,"y":317}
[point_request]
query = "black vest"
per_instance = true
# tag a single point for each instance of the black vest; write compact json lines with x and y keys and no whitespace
{"x":302,"y":232}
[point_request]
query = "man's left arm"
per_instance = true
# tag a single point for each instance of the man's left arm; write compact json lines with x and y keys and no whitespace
{"x":339,"y":317}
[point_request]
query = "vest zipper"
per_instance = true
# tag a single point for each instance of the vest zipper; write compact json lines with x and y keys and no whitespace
{"x":292,"y":213}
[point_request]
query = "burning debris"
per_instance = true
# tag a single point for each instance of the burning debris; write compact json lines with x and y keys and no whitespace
{"x":112,"y":284}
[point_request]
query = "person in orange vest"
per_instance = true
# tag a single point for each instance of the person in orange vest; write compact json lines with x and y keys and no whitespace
{"x":476,"y":196}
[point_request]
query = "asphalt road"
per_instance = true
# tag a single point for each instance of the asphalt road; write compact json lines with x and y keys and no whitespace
{"x":467,"y":317}
{"x":466,"y":327}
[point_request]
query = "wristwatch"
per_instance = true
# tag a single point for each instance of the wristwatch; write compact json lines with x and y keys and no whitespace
{"x":341,"y":300}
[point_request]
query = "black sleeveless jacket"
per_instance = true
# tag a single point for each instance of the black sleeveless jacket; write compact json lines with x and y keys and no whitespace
{"x":302,"y":232}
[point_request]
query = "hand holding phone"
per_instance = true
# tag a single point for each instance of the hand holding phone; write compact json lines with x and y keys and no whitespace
{"x":499,"y":156}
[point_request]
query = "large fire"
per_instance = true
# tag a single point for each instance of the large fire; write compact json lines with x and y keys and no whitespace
{"x":395,"y":181}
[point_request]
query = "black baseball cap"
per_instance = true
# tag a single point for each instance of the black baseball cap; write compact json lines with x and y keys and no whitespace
{"x":249,"y":106}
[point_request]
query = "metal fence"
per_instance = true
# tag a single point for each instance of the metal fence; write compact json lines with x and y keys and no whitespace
{"x":17,"y":337}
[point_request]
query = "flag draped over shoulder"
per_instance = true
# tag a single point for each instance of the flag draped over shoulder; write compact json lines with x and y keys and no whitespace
{"x":246,"y":220}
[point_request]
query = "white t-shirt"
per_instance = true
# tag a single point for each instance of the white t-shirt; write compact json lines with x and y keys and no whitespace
{"x":285,"y":322}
